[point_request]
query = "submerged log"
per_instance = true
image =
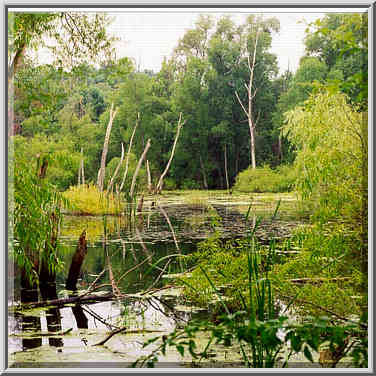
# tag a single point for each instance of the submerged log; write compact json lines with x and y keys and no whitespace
{"x":77,"y":260}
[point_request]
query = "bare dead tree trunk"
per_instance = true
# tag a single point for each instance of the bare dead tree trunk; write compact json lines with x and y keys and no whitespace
{"x":116,"y":170}
{"x":149,"y":176}
{"x":82,"y":167}
{"x":129,"y":150}
{"x":77,"y":260}
{"x":102,"y":169}
{"x":251,"y":95}
{"x":138,"y":167}
{"x":226,"y":174}
{"x":160,"y":181}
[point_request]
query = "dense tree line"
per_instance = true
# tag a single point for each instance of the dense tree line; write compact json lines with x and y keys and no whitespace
{"x":218,"y":72}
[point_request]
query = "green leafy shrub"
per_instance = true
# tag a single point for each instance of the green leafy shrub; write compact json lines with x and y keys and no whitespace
{"x":326,"y":253}
{"x":264,"y":179}
{"x":36,"y":219}
{"x":331,"y":142}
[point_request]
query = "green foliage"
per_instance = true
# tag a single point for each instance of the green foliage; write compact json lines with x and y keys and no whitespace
{"x":36,"y":220}
{"x":253,"y":327}
{"x":64,"y":162}
{"x":264,"y":179}
{"x":341,"y":40}
{"x":87,"y":199}
{"x":327,"y":252}
{"x":331,"y":142}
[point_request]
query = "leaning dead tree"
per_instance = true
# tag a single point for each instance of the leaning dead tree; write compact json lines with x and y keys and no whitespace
{"x":129,"y":151}
{"x":102,"y":169}
{"x":148,"y":144}
{"x":159,"y":186}
{"x":111,"y":183}
{"x":251,"y":95}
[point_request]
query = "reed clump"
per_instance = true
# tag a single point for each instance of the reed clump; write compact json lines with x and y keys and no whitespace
{"x":87,"y":199}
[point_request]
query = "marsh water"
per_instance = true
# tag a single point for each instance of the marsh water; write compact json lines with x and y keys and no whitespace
{"x":165,"y":228}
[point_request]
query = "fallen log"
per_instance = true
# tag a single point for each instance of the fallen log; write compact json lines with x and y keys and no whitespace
{"x":64,"y":301}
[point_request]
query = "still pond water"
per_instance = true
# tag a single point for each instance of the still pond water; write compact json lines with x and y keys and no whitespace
{"x":173,"y":225}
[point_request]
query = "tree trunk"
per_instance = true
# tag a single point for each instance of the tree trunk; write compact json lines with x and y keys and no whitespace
{"x":79,"y":315}
{"x":253,"y":154}
{"x":160,"y":182}
{"x":102,"y":170}
{"x":138,"y":167}
{"x":82,"y":167}
{"x":77,"y":260}
{"x":16,"y":61}
{"x":129,"y":150}
{"x":226,"y":174}
{"x":149,"y":176}
{"x":251,"y":95}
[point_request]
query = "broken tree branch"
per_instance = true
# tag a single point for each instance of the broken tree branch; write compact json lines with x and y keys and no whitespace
{"x":64,"y":301}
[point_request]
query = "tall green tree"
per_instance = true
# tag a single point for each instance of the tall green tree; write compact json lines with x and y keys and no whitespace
{"x":341,"y":41}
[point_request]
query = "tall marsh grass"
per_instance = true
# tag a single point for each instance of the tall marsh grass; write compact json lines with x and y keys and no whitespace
{"x":86,"y":199}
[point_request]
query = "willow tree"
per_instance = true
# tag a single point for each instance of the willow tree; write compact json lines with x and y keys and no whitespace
{"x":330,"y":137}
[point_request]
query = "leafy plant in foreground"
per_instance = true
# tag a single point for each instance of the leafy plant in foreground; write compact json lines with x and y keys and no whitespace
{"x":265,"y":341}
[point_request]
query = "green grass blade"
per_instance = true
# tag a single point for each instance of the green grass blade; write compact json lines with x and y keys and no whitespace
{"x":215,"y":290}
